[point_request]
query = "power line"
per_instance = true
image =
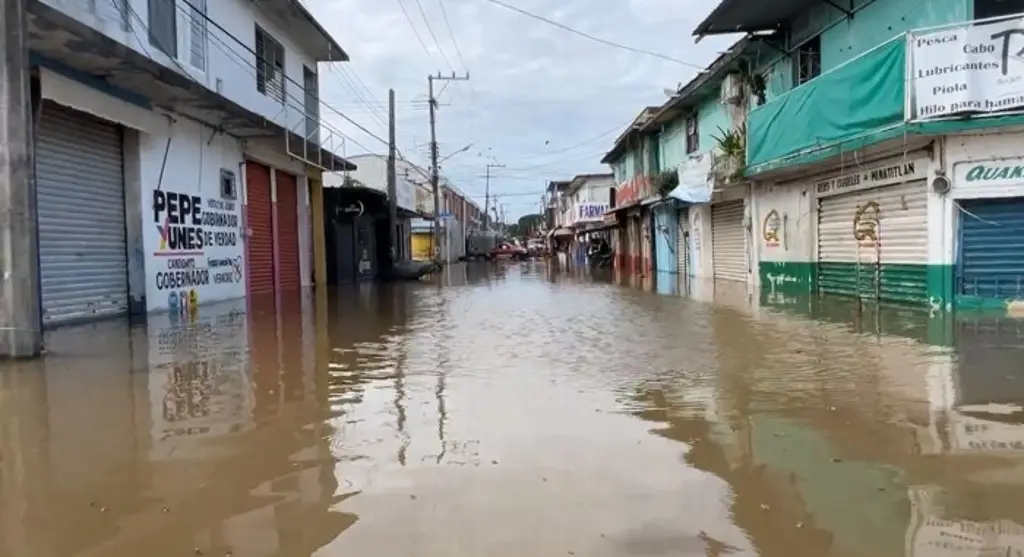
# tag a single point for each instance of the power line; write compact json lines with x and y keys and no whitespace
{"x":451,"y":34}
{"x":433,"y":36}
{"x":415,"y":31}
{"x":606,"y":42}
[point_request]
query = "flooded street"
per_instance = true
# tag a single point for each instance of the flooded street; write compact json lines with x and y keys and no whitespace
{"x":517,"y":412}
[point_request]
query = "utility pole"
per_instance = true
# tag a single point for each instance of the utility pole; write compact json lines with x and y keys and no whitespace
{"x":20,"y":323}
{"x":392,"y":178}
{"x":487,"y":193}
{"x":434,"y":171}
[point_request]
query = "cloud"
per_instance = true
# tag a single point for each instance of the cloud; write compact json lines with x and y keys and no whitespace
{"x":538,"y":98}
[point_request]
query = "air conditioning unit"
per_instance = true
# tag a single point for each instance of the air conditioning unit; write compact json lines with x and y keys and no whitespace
{"x":732,"y":90}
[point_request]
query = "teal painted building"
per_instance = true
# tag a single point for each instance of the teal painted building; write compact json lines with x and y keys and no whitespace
{"x":859,"y":155}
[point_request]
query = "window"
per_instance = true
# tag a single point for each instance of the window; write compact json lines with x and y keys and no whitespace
{"x":180,"y":34}
{"x":994,"y":8}
{"x":312,"y":102}
{"x":655,"y":153}
{"x":269,"y":66}
{"x":163,"y":26}
{"x":692,"y":136}
{"x":195,"y":41}
{"x":807,"y":61}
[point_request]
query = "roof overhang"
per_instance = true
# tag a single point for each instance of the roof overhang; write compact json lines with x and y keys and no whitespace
{"x":629,"y":135}
{"x":304,"y":29}
{"x":705,"y":83}
{"x":71,"y":47}
{"x":751,"y":16}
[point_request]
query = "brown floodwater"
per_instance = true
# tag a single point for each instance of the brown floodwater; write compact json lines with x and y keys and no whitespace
{"x":518,"y":411}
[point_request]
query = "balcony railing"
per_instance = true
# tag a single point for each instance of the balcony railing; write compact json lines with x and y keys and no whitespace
{"x":926,"y":81}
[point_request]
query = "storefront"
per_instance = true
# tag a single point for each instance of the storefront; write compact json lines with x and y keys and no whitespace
{"x":81,"y":213}
{"x":259,"y":211}
{"x":873,"y":231}
{"x":989,"y":264}
{"x":729,"y":254}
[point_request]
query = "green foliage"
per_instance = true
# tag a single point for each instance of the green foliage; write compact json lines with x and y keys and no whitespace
{"x":666,"y":181}
{"x":732,"y":142}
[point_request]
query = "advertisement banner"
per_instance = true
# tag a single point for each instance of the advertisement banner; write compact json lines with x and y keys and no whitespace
{"x":975,"y":68}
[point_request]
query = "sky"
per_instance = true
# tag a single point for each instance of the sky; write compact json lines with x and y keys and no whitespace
{"x":542,"y":101}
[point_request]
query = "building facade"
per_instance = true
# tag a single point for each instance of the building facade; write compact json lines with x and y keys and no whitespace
{"x":834,"y":151}
{"x":178,"y":149}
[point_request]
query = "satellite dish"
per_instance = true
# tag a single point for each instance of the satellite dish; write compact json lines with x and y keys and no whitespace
{"x":669,"y":92}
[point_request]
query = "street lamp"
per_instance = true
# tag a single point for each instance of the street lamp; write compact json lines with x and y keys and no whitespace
{"x":452,"y":154}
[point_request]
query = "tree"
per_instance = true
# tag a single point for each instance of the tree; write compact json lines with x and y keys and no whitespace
{"x":526,"y":225}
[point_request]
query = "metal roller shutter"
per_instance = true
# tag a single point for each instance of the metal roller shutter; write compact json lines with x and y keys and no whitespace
{"x":889,"y":261}
{"x":80,"y":195}
{"x":260,"y":244}
{"x":991,"y":254}
{"x":288,"y":267}
{"x":682,"y":246}
{"x":728,"y":241}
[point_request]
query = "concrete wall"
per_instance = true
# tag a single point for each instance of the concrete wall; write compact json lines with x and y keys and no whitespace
{"x":230,"y":66}
{"x":191,"y":174}
{"x":373,"y":172}
{"x":700,"y":240}
{"x":783,"y":221}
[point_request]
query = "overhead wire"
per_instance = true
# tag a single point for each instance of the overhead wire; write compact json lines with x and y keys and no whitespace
{"x":455,"y":43}
{"x":415,"y":31}
{"x":594,"y":38}
{"x":430,"y":30}
{"x":241,"y":59}
{"x":339,"y":70}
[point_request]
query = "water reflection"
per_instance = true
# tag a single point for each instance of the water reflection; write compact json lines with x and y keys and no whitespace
{"x":509,"y":409}
{"x":169,"y":439}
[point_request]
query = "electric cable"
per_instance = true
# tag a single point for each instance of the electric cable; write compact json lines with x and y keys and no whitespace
{"x":430,"y":30}
{"x":605,"y":42}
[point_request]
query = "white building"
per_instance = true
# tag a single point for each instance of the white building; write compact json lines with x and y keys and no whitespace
{"x":175,"y":143}
{"x":586,"y":200}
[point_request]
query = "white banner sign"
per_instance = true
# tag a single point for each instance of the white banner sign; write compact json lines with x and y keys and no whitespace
{"x":968,"y":69}
{"x":590,"y":211}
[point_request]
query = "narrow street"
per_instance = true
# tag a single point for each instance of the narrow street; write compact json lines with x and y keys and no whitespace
{"x":513,"y":412}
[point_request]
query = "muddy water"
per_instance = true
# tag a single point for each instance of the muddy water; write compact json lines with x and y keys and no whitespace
{"x":518,"y":411}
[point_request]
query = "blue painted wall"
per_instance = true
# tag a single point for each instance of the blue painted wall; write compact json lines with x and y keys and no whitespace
{"x":666,"y":227}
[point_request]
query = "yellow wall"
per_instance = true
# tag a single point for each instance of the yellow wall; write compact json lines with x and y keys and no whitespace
{"x":316,"y":210}
{"x":421,"y":246}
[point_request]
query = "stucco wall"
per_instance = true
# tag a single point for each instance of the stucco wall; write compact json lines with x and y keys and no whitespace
{"x":204,"y":251}
{"x":230,"y":66}
{"x":783,"y":236}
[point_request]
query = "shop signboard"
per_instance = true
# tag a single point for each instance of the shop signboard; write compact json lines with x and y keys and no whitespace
{"x":967,"y":69}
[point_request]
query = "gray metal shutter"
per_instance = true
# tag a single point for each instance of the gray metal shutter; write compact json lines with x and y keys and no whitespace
{"x":682,"y":246}
{"x":80,"y":192}
{"x":728,"y":241}
{"x":893,"y":268}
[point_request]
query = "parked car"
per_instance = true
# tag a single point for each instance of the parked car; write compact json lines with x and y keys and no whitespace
{"x":508,"y":250}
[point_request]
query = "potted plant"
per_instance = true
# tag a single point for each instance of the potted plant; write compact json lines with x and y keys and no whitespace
{"x":728,"y":162}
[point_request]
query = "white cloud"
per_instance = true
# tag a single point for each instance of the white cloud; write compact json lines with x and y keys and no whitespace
{"x":534,"y":91}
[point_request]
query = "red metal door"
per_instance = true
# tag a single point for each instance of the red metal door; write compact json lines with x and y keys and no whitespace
{"x":260,"y":244}
{"x":288,"y":267}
